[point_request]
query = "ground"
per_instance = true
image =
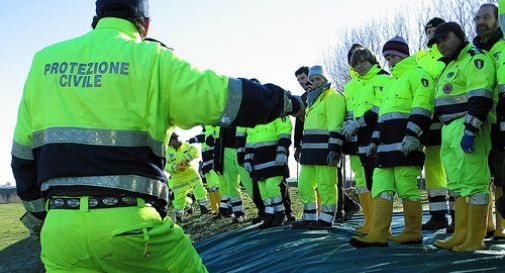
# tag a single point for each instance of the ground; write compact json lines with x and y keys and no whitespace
{"x":20,"y":253}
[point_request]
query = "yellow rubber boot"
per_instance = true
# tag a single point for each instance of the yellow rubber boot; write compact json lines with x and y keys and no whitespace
{"x":476,"y":229}
{"x":500,"y":224}
{"x":366,"y":202}
{"x":412,"y":215}
{"x":381,"y":221}
{"x":460,"y":222}
{"x":490,"y":224}
{"x":214,"y":201}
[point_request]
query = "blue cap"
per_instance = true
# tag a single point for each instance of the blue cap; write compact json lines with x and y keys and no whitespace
{"x":138,"y":8}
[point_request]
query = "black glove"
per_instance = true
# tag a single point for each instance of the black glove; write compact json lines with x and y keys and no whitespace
{"x":210,"y":140}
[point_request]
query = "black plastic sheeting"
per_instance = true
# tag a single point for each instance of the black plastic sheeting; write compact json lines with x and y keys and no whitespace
{"x":289,"y":250}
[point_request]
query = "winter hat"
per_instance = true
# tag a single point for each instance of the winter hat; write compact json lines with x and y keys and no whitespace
{"x":318,"y":70}
{"x":433,"y":23}
{"x":444,"y":29}
{"x":351,"y":51}
{"x":396,"y":46}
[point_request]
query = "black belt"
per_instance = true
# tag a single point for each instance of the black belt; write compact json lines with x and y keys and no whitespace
{"x":93,"y":202}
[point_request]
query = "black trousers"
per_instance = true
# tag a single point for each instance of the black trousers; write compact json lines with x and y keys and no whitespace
{"x":344,"y":203}
{"x":286,"y":200}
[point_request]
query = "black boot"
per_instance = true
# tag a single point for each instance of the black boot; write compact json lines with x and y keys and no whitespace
{"x":320,"y":225}
{"x":239,"y":217}
{"x":190,"y":209}
{"x":339,"y":218}
{"x":290,"y":217}
{"x":348,"y":214}
{"x":223,"y":213}
{"x":278,"y":219}
{"x":302,"y":224}
{"x":259,"y":218}
{"x":437,"y":221}
{"x":203,"y":210}
{"x":267,"y":221}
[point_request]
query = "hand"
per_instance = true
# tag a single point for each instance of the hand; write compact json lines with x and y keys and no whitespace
{"x":281,"y":159}
{"x":182,"y":166}
{"x":210,"y":141}
{"x":248,"y":167}
{"x":410,"y":144}
{"x":350,"y":128}
{"x":32,"y":223}
{"x":333,"y":158}
{"x":370,"y":149}
{"x":467,"y":143}
{"x":298,"y":152}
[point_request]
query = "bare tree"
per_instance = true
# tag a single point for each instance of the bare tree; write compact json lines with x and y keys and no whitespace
{"x":407,"y":21}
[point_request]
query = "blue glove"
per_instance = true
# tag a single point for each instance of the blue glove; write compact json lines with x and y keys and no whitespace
{"x":467,"y":143}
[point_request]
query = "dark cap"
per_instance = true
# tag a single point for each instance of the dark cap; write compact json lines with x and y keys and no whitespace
{"x":444,"y":29}
{"x":351,"y":51}
{"x":435,"y":22}
{"x":137,"y":8}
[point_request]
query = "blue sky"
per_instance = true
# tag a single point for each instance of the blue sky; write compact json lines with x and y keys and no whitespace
{"x":265,"y":39}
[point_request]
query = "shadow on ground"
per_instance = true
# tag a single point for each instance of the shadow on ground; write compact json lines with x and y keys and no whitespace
{"x":22,"y":257}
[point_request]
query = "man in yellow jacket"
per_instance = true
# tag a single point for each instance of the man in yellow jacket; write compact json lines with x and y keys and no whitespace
{"x":404,"y":118}
{"x":266,"y":159}
{"x":490,"y":38}
{"x":185,"y":178}
{"x":463,"y":100}
{"x":435,"y":177}
{"x":95,"y":114}
{"x":369,"y":85}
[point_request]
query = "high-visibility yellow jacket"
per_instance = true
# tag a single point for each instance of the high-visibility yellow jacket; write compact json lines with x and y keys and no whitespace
{"x":185,"y":153}
{"x":369,"y":93}
{"x":324,"y":118}
{"x":263,"y":143}
{"x":430,"y":60}
{"x":465,"y":89}
{"x":406,"y":109}
{"x":494,"y":47}
{"x":96,"y":110}
{"x":351,"y":94}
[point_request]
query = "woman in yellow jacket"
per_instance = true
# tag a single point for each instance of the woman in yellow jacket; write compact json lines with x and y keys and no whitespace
{"x":321,"y":150}
{"x":368,"y":87}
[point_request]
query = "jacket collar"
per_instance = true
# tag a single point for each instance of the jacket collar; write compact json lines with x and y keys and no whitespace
{"x":404,"y":66}
{"x":374,"y":70}
{"x":497,"y":35}
{"x":314,"y":94}
{"x":121,"y":25}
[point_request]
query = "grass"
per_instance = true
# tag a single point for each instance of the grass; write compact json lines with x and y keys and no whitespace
{"x":12,"y":229}
{"x":200,"y":227}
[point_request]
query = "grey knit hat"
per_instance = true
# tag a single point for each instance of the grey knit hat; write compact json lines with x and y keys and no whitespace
{"x":318,"y":70}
